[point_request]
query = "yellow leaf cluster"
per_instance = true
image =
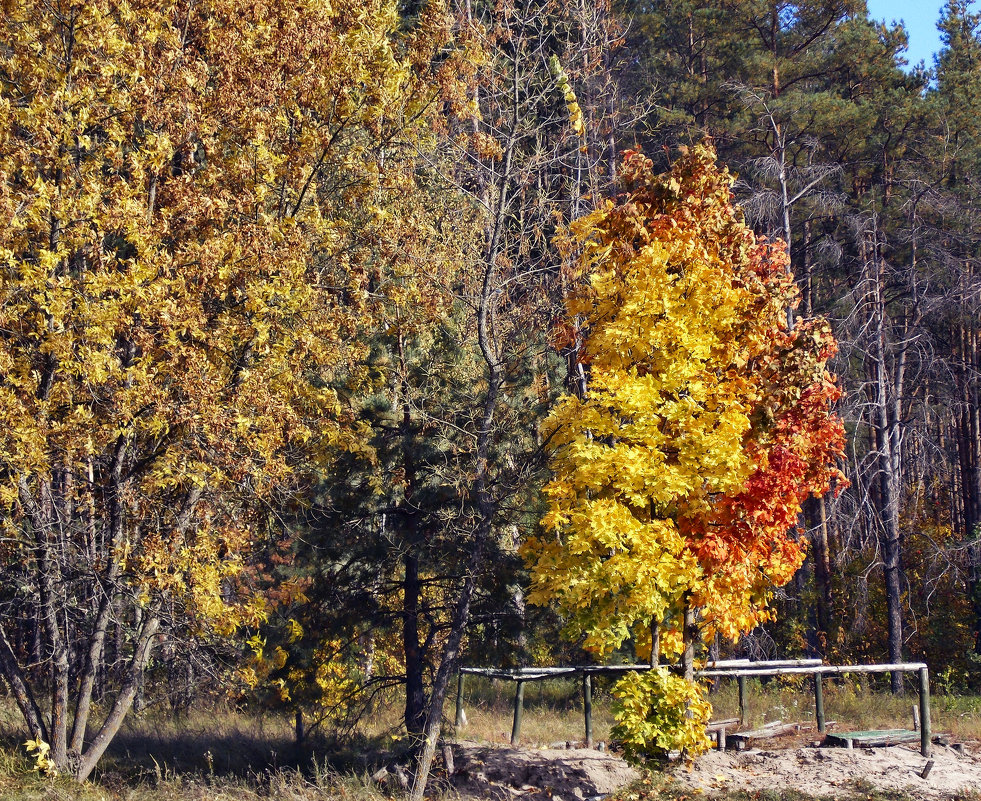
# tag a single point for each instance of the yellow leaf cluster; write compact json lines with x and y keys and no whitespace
{"x":182,"y":265}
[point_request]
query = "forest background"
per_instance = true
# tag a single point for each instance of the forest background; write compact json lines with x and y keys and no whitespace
{"x":284,"y":308}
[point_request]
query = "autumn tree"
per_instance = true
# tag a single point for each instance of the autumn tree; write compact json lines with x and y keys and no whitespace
{"x":680,"y":472}
{"x":179,"y":285}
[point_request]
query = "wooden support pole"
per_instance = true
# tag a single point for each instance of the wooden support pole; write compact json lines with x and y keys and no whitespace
{"x":458,"y":720}
{"x":519,"y":697}
{"x":925,"y":711}
{"x":743,"y":711}
{"x":819,"y":700}
{"x":587,"y":706}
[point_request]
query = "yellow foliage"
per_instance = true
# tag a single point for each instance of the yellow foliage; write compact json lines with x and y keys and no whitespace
{"x":42,"y":761}
{"x":181,"y":193}
{"x":658,"y":712}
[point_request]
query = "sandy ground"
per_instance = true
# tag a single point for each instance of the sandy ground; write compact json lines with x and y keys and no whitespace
{"x":831,"y":771}
{"x":495,"y":772}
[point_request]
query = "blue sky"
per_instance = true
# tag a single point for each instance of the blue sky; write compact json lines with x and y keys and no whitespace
{"x":920,"y":17}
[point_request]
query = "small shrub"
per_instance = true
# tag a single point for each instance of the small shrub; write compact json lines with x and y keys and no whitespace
{"x":658,"y":712}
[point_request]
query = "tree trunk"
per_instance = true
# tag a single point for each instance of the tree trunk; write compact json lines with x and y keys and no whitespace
{"x":19,"y":687}
{"x":822,"y":571}
{"x":886,"y":424}
{"x":415,"y":693}
{"x":124,"y":700}
{"x":481,"y":491}
{"x":655,"y":642}
{"x":97,"y":637}
{"x":689,"y":634}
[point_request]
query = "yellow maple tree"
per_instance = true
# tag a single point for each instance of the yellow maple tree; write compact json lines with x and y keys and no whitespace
{"x":705,"y":423}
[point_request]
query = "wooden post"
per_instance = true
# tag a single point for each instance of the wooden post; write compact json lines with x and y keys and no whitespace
{"x":819,"y":700}
{"x":458,"y":720}
{"x":519,"y":697}
{"x":448,"y":759}
{"x":925,"y":711}
{"x":743,"y":712}
{"x":721,"y":742}
{"x":587,"y":706}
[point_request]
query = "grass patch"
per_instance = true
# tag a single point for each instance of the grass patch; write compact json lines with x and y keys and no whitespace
{"x":552,"y":711}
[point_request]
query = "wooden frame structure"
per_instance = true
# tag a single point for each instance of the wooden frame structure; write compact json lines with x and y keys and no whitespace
{"x":739,"y":669}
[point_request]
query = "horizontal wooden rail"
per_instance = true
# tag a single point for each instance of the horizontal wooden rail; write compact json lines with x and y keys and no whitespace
{"x":726,"y":666}
{"x":825,"y":670}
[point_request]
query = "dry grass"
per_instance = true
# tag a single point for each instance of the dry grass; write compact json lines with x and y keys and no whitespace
{"x":211,"y":754}
{"x":19,"y":783}
{"x":552,"y":712}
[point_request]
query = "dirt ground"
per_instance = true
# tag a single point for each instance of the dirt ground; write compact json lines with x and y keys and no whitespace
{"x":830,"y":771}
{"x":494,"y":772}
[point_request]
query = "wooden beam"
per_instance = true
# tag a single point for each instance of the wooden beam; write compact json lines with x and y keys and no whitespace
{"x":819,"y":701}
{"x":458,"y":720}
{"x":587,"y":707}
{"x":925,"y":711}
{"x":851,"y":739}
{"x":825,"y":670}
{"x":519,"y":697}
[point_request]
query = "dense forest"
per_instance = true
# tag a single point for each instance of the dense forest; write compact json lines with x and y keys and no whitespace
{"x":303,"y":308}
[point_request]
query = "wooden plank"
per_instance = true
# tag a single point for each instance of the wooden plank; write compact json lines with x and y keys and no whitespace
{"x":737,"y":664}
{"x":740,"y":738}
{"x":873,"y":738}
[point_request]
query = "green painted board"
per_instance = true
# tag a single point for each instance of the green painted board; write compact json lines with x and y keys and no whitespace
{"x":873,"y":738}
